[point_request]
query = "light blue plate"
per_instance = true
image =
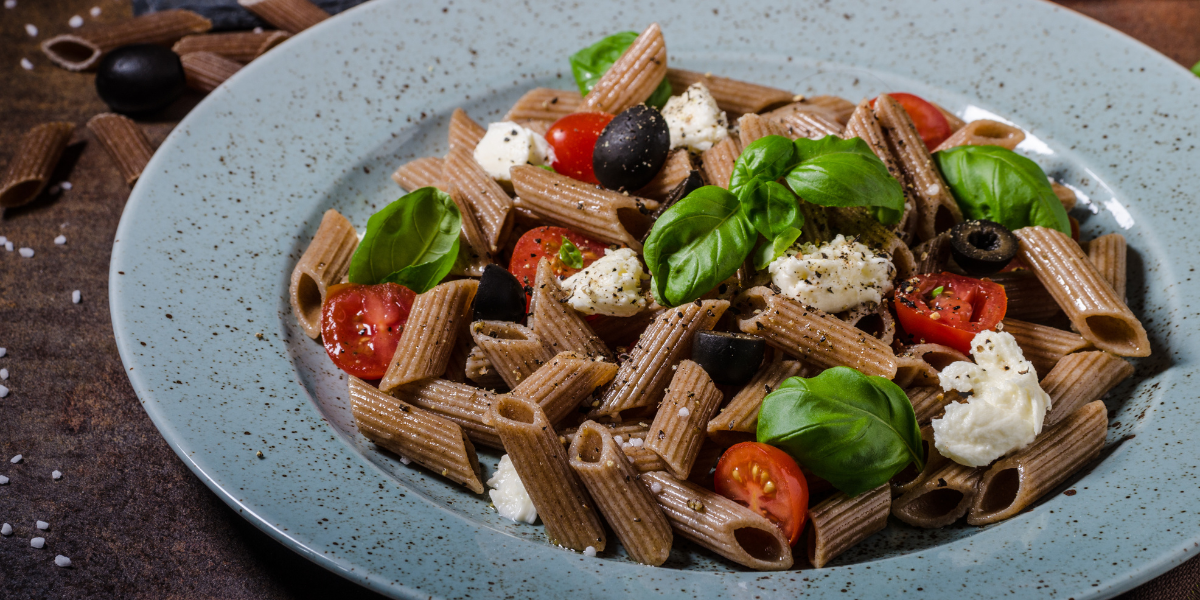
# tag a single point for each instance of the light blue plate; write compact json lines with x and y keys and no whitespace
{"x":223,"y":211}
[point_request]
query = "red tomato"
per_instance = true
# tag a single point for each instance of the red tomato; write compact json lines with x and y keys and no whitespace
{"x":573,"y":138}
{"x":766,"y":480}
{"x":544,"y":242}
{"x":963,"y":308}
{"x":930,"y":122}
{"x":361,"y":325}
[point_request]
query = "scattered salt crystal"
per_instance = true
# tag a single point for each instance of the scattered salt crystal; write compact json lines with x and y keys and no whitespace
{"x":75,"y":21}
{"x":258,"y":30}
{"x":31,"y":30}
{"x":43,"y":525}
{"x":66,"y":185}
{"x":95,"y":12}
{"x":76,"y":297}
{"x":933,"y":189}
{"x":637,"y":442}
{"x":62,"y":561}
{"x":60,"y":240}
{"x":742,"y":584}
{"x":26,"y":252}
{"x":8,"y":246}
{"x":404,"y":460}
{"x":16,"y":459}
{"x":56,"y":474}
{"x":6,"y":529}
{"x":37,"y":542}
{"x":656,"y":488}
{"x":3,"y":373}
{"x":25,"y":64}
{"x":3,"y":394}
{"x":618,"y":439}
{"x":684,"y":412}
{"x":10,"y":4}
{"x":3,"y":240}
{"x":3,"y":351}
{"x":3,"y":480}
{"x":589,"y":551}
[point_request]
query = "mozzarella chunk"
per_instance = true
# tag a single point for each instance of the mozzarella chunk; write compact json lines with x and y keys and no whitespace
{"x":835,"y":276}
{"x":509,"y":495}
{"x":695,"y":121}
{"x":1005,"y":409}
{"x":610,"y":286}
{"x":506,"y":145}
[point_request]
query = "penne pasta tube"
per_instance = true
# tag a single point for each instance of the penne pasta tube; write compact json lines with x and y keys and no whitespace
{"x":561,"y":384}
{"x":515,"y":351}
{"x":833,"y":108}
{"x":644,"y":459}
{"x":752,"y":127}
{"x":863,"y":125}
{"x":984,"y":133}
{"x":542,"y":464}
{"x":941,"y":499}
{"x":422,"y":172}
{"x":1108,"y":254}
{"x":474,"y":249}
{"x":839,"y":522}
{"x":626,"y":504}
{"x":462,"y":404}
{"x":292,"y":16}
{"x":634,"y":76}
{"x":801,"y":122}
{"x":909,"y":478}
{"x":679,"y":426}
{"x":673,"y":172}
{"x":81,"y":50}
{"x":1081,"y":378}
{"x":1081,"y":291}
{"x":720,"y":524}
{"x":622,"y":433}
{"x":732,"y":96}
{"x":474,"y":188}
{"x":1012,"y":484}
{"x":738,"y":421}
{"x":538,"y":126}
{"x":933,"y":255}
{"x":929,"y":402}
{"x":621,"y":331}
{"x":204,"y":71}
{"x":1028,"y":299}
{"x":1065,"y":195}
{"x":124,"y":142}
{"x":480,"y":369}
{"x":644,"y":375}
{"x":813,"y":336}
{"x":603,"y":214}
{"x":33,"y":164}
{"x":937,"y":210}
{"x":919,"y":364}
{"x":465,"y":133}
{"x":877,"y":321}
{"x":718,"y":161}
{"x":1044,"y":346}
{"x":557,"y":324}
{"x":544,"y":104}
{"x":242,"y":46}
{"x":324,"y":263}
{"x":456,"y":366}
{"x":428,"y":440}
{"x":428,"y":338}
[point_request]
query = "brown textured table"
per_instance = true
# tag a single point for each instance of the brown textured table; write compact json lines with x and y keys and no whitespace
{"x":134,"y":520}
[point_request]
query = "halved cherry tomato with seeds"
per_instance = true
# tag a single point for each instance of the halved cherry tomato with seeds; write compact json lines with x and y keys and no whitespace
{"x":766,"y":480}
{"x":949,"y":309}
{"x":573,"y":138}
{"x":361,"y":325}
{"x":544,"y":242}
{"x":930,"y":122}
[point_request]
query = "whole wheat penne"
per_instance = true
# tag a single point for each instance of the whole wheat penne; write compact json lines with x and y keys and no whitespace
{"x":933,"y":255}
{"x":811,"y":335}
{"x":83,"y":49}
{"x":644,"y":375}
{"x":732,"y":96}
{"x":720,"y":524}
{"x":929,"y":402}
{"x":673,"y":172}
{"x":1082,"y":292}
{"x":428,"y":440}
{"x":1065,"y":195}
{"x":542,"y":464}
{"x":622,"y":331}
{"x":643,"y":459}
{"x":626,"y":504}
{"x":718,"y":161}
{"x":563,"y":382}
{"x":476,"y":189}
{"x":833,"y":108}
{"x":463,"y":404}
{"x":622,"y":433}
{"x":941,"y":498}
{"x":603,"y":214}
{"x":1013,"y":483}
{"x":840,"y":522}
{"x":865,"y":126}
{"x":474,"y":249}
{"x":936,"y":208}
{"x":204,"y":71}
{"x":1108,"y":254}
{"x":514,"y":350}
{"x":1028,"y":299}
{"x":679,"y":426}
{"x":538,"y":126}
{"x":242,"y":46}
{"x":545,"y":104}
{"x":752,"y":127}
{"x":984,"y":133}
{"x":556,"y":322}
{"x":289,"y":15}
{"x":1081,"y":378}
{"x":124,"y":142}
{"x":324,"y":263}
{"x":920,"y":364}
{"x":421,"y":172}
{"x":801,"y":122}
{"x":429,"y":335}
{"x":738,"y":421}
{"x":456,"y":366}
{"x":909,"y":477}
{"x":951,"y":118}
{"x":633,"y":77}
{"x":1044,"y":346}
{"x":480,"y":369}
{"x":875,"y":319}
{"x":465,"y":133}
{"x":33,"y":164}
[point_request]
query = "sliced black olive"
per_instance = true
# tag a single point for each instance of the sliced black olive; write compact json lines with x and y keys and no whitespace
{"x":730,"y":358}
{"x":500,"y":296}
{"x":982,"y":247}
{"x":140,"y":78}
{"x":632,"y":149}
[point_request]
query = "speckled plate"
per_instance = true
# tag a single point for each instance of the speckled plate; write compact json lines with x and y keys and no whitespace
{"x":201,"y":263}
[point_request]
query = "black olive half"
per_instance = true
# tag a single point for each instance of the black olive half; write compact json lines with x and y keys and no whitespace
{"x":500,"y":296}
{"x":140,"y":78}
{"x":632,"y":149}
{"x":982,"y":247}
{"x":729,"y":358}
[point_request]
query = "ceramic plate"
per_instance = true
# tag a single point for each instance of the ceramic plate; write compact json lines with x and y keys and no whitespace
{"x":202,"y":258}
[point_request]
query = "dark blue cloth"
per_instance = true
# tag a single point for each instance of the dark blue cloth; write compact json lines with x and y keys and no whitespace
{"x":227,"y":14}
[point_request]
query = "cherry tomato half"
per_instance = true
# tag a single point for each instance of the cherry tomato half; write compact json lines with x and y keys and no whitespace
{"x":930,"y":122}
{"x":767,"y":480}
{"x":573,"y":138}
{"x":361,"y":325}
{"x":962,"y":308}
{"x":544,"y":242}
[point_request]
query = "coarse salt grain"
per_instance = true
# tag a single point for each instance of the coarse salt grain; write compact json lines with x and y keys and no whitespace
{"x":43,"y":525}
{"x":56,"y":474}
{"x":26,"y":64}
{"x":933,"y":189}
{"x":3,"y":240}
{"x":636,"y":442}
{"x":3,"y":351}
{"x":589,"y":551}
{"x":3,"y":480}
{"x":3,"y":373}
{"x":684,"y":412}
{"x":31,"y":29}
{"x":75,"y":21}
{"x":258,"y":30}
{"x":656,"y":488}
{"x":26,"y":252}
{"x":95,"y":12}
{"x":76,"y":297}
{"x":16,"y":459}
{"x":60,"y":240}
{"x":404,"y":460}
{"x":4,"y":394}
{"x":10,"y":4}
{"x":37,"y":542}
{"x":62,"y":561}
{"x":8,"y":246}
{"x":6,"y":529}
{"x":618,"y":439}
{"x":66,"y":185}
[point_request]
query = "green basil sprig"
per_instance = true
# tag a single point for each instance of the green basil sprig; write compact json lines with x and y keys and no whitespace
{"x":997,"y":184}
{"x":569,"y":253}
{"x":412,"y":241}
{"x":852,"y":430}
{"x":590,"y":64}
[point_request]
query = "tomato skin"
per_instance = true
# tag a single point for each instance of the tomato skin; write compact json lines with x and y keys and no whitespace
{"x":930,"y":122}
{"x":966,"y":307}
{"x":766,"y":480}
{"x":573,"y":138}
{"x":544,"y":242}
{"x":361,"y":326}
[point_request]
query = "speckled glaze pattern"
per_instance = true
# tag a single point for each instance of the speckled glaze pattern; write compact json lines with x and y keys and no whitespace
{"x":227,"y":205}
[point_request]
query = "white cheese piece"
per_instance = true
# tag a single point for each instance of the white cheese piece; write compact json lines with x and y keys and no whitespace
{"x":835,"y":276}
{"x":509,"y":495}
{"x":695,"y":120}
{"x":506,"y":145}
{"x":610,"y":286}
{"x":1005,"y":408}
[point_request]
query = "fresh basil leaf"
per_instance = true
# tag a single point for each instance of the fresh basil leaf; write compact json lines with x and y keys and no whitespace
{"x":569,"y":253}
{"x":696,"y":244}
{"x":1196,"y":69}
{"x":547,"y":167}
{"x":412,"y":241}
{"x":770,"y":207}
{"x":590,"y":64}
{"x":765,"y":159}
{"x":836,"y":172}
{"x":769,"y":250}
{"x":997,"y":184}
{"x":937,"y":291}
{"x":852,"y":430}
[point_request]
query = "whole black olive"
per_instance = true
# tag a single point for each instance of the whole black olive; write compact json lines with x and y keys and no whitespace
{"x":632,"y":149}
{"x":730,"y":358}
{"x":140,"y":78}
{"x":982,"y":247}
{"x":500,"y":296}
